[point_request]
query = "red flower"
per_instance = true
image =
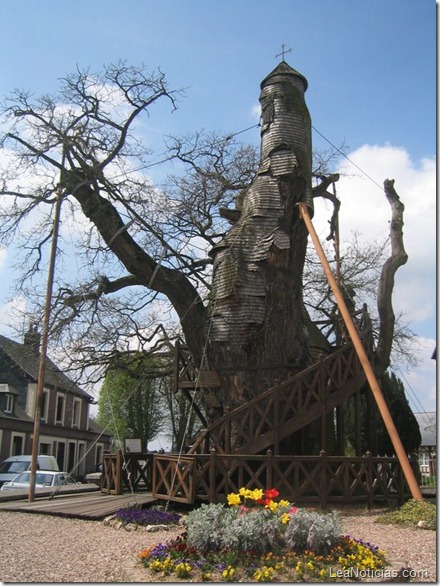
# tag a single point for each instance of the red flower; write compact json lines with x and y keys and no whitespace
{"x":293,"y":510}
{"x":271,"y":493}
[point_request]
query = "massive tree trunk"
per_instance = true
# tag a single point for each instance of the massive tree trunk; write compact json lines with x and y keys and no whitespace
{"x":256,"y":328}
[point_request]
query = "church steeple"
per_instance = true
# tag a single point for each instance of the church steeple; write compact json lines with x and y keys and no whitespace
{"x":286,"y":128}
{"x":283,"y":69}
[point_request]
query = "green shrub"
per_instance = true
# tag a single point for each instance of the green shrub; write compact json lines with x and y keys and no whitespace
{"x":258,"y":539}
{"x":258,"y":529}
{"x":313,"y":531}
{"x":411,"y":513}
{"x":205,"y":526}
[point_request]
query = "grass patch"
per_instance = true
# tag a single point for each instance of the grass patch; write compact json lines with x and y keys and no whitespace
{"x":411,"y":513}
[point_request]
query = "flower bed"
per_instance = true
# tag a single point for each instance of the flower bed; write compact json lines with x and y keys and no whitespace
{"x":259,"y":539}
{"x":146,"y":516}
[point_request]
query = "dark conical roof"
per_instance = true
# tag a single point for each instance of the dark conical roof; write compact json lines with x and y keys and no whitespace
{"x":284,"y":68}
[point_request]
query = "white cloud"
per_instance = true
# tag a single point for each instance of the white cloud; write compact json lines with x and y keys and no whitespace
{"x":420,"y":382}
{"x":11,"y":316}
{"x":255,"y":112}
{"x":3,"y":256}
{"x":364,"y":208}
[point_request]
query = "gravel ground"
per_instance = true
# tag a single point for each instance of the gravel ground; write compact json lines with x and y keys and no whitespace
{"x":42,"y":548}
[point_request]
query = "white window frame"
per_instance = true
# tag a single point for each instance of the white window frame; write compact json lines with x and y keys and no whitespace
{"x":81,"y":452}
{"x":9,"y":403}
{"x":55,"y":447}
{"x":23,"y":443}
{"x":76,"y":412}
{"x":60,"y":396}
{"x":45,"y":411}
{"x":99,"y":453}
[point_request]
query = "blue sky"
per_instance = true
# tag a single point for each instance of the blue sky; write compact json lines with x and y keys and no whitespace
{"x":371,"y":68}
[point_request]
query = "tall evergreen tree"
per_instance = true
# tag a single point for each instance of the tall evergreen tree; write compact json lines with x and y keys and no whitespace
{"x":131,"y":402}
{"x":404,"y":419}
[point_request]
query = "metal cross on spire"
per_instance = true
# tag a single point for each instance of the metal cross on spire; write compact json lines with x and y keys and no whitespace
{"x":283,"y":51}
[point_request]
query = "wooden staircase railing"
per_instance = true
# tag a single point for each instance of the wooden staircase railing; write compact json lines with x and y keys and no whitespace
{"x":286,"y":407}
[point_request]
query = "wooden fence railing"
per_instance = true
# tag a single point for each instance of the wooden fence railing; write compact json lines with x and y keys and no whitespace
{"x":111,"y":480}
{"x":131,"y":471}
{"x":313,"y":479}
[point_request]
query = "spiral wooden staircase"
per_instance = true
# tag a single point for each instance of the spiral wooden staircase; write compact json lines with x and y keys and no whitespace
{"x":274,"y":415}
{"x":243,"y":446}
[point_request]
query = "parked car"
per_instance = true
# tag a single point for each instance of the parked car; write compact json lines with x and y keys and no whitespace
{"x":95,"y":477}
{"x":13,"y":465}
{"x":43,"y":478}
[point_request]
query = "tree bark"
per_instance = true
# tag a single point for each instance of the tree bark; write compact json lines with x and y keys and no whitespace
{"x":256,"y":314}
{"x":397,"y":259}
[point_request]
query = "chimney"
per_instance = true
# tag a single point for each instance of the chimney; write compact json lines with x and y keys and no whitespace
{"x":32,"y":339}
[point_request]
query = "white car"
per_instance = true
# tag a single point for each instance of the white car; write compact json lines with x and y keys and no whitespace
{"x":95,"y":477}
{"x":43,"y":479}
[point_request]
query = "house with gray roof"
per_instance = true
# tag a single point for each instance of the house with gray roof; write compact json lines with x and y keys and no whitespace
{"x":66,"y":430}
{"x":427,"y":422}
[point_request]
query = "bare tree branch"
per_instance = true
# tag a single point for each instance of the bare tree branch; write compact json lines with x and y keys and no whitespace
{"x":397,"y":259}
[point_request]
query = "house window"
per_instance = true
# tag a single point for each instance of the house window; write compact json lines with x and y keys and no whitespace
{"x":44,"y":406}
{"x":17,"y":444}
{"x":9,"y":404}
{"x":61,"y":405}
{"x":76,"y":414}
{"x":99,"y":454}
{"x":45,"y":449}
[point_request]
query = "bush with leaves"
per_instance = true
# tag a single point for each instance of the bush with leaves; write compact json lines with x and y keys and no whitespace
{"x":266,"y":526}
{"x":316,"y":532}
{"x":206,"y":524}
{"x":257,"y":539}
{"x":411,"y":514}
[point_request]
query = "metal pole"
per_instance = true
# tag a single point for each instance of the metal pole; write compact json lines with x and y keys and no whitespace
{"x":43,"y":349}
{"x":371,"y":377}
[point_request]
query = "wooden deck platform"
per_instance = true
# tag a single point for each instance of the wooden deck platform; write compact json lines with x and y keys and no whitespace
{"x":81,"y":505}
{"x":21,"y":494}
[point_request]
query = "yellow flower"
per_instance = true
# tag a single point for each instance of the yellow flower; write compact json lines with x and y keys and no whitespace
{"x":284,"y":518}
{"x":272,"y":505}
{"x":233,"y":499}
{"x":284,"y":503}
{"x":256,"y":494}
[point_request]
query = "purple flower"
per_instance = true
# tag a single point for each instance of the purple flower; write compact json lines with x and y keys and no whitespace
{"x":146,"y":516}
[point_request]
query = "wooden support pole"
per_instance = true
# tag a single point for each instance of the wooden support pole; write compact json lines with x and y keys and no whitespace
{"x":368,"y":369}
{"x":43,"y":348}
